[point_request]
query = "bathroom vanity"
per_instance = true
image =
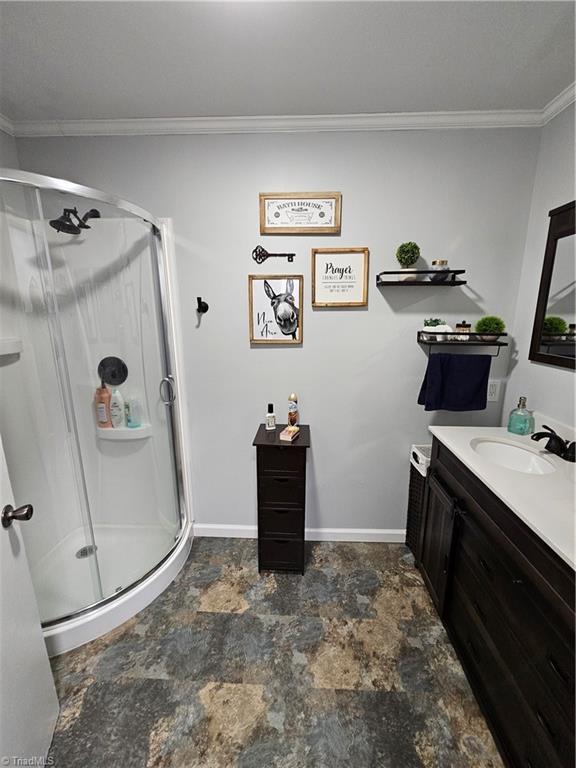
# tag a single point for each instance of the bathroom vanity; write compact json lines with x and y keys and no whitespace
{"x":496,"y":552}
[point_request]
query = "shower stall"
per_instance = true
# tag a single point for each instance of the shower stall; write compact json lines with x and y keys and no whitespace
{"x":110,"y":528}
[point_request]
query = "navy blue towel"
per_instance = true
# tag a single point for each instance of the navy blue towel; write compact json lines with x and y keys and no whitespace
{"x":455,"y":383}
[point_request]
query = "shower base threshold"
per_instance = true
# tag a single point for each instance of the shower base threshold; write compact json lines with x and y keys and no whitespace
{"x":65,"y":583}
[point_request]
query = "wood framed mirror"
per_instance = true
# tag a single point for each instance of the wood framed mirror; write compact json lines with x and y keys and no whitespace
{"x":554,"y":332}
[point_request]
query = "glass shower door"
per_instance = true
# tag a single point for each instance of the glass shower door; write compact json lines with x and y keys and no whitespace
{"x":36,"y":424}
{"x":106,"y":283}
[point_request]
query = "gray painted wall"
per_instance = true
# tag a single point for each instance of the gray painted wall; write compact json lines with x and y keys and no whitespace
{"x":8,"y":153}
{"x":464,"y":195}
{"x":550,"y":390}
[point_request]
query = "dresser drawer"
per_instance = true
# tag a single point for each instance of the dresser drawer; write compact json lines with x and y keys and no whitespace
{"x":281,"y":460}
{"x":281,"y":521}
{"x":552,"y":723}
{"x":543,"y":636}
{"x":518,"y":732}
{"x":281,"y":554}
{"x":280,"y":489}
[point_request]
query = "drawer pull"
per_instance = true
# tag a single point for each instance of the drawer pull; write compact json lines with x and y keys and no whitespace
{"x":517,"y":581}
{"x":557,"y":671}
{"x":282,"y":479}
{"x":544,"y":723}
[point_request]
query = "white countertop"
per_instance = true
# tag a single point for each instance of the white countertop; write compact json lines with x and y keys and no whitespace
{"x":544,"y":502}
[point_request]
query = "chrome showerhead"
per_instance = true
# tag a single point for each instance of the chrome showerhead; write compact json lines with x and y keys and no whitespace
{"x":65,"y":223}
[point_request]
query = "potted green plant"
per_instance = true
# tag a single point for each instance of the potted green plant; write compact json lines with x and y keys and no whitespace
{"x":407,"y":255}
{"x":554,"y":328}
{"x":491,"y":327}
{"x":438,"y":325}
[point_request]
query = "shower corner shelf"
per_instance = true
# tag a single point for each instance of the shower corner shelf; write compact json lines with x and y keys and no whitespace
{"x":125,"y":433}
{"x":450,"y":281}
{"x":10,"y":346}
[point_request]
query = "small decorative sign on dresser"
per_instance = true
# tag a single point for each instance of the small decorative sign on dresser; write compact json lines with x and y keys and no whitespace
{"x":300,"y":213}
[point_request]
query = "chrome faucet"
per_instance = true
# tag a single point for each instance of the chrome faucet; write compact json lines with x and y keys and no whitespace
{"x":556,"y":444}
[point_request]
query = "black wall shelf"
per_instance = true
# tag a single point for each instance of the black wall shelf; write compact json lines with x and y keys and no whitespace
{"x":473,"y":340}
{"x":450,"y":281}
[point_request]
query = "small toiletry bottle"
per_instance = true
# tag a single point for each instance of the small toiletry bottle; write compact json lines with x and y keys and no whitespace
{"x":102,"y":404}
{"x":293,"y":415}
{"x":521,"y":419}
{"x":117,"y":409}
{"x":270,"y":418}
{"x":133,"y":413}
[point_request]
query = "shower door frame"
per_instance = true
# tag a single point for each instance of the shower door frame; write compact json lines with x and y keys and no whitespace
{"x":166,"y":333}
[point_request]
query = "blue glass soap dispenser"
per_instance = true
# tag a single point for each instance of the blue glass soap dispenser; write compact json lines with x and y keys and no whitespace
{"x":521,"y":420}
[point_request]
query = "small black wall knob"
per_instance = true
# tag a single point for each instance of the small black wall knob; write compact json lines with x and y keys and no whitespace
{"x":202,"y":306}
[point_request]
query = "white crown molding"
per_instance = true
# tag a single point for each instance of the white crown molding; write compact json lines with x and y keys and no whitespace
{"x":558,"y":103}
{"x":391,"y":121}
{"x":6,"y":125}
{"x":399,"y":121}
{"x":390,"y":535}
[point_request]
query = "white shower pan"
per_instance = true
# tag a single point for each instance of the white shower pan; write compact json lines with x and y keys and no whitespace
{"x":61,"y":572}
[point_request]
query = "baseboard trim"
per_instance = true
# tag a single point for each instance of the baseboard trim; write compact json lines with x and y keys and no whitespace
{"x":389,"y":535}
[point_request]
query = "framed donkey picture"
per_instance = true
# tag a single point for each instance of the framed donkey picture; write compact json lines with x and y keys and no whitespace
{"x":275,"y":308}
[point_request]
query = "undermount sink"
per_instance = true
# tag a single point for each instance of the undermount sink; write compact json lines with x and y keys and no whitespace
{"x":512,"y":456}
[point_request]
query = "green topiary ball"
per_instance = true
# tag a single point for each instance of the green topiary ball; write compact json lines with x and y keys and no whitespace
{"x":491,"y":324}
{"x":554,"y":326}
{"x":408,"y":254}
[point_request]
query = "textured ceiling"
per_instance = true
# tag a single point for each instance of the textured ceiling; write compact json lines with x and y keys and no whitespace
{"x":89,"y":60}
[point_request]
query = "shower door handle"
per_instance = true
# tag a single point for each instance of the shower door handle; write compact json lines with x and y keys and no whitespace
{"x":167,"y":387}
{"x":9,"y":514}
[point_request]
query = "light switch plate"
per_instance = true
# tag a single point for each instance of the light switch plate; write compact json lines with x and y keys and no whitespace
{"x":493,"y":390}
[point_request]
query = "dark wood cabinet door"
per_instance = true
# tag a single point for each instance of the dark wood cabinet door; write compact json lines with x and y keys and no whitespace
{"x":436,"y":544}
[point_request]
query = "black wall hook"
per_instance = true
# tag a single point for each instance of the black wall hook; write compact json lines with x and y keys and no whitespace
{"x":202,"y":307}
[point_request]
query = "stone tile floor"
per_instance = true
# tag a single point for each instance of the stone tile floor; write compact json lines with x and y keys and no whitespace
{"x":346,"y":666}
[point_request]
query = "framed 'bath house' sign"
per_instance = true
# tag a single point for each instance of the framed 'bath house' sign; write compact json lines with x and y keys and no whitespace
{"x":340,"y":277}
{"x":300,"y":213}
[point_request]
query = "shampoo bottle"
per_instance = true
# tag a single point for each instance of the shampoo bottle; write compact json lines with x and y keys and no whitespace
{"x":521,"y":420}
{"x":102,"y":404}
{"x":133,"y":411}
{"x":117,"y":409}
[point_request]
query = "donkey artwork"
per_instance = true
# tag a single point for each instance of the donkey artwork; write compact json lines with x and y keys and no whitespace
{"x":285,"y":310}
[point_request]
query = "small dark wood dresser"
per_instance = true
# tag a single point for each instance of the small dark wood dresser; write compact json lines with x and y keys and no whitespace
{"x":281,"y":472}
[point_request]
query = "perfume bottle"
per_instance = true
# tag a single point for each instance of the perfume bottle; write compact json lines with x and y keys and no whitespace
{"x":521,"y":420}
